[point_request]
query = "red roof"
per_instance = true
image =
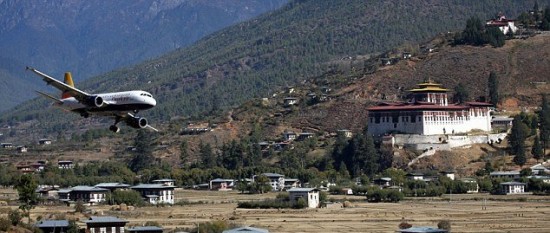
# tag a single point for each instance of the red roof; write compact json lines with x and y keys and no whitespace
{"x":418,"y":107}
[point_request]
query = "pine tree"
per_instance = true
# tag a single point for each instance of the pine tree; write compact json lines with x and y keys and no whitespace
{"x":28,"y":198}
{"x":518,"y":134}
{"x":184,"y":152}
{"x":544,"y":123}
{"x":520,"y":158}
{"x":143,"y":155}
{"x":536,"y":150}
{"x":461,"y":94}
{"x":493,"y":88}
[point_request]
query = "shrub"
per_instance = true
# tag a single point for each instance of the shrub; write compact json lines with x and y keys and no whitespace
{"x":15,"y":217}
{"x":5,"y":224}
{"x":300,"y":204}
{"x":404,"y":225}
{"x":79,"y":207}
{"x":444,"y":224}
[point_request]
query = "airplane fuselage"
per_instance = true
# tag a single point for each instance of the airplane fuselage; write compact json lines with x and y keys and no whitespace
{"x":115,"y":102}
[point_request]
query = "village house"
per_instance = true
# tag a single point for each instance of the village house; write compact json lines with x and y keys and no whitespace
{"x":53,"y":226}
{"x":145,"y":229}
{"x":6,"y":145}
{"x":289,"y":101}
{"x":428,"y":113}
{"x":346,"y":132}
{"x":304,"y":136}
{"x":545,"y":179}
{"x":246,"y":230}
{"x":291,"y":183}
{"x":48,"y":192}
{"x":277,"y":181}
{"x":472,"y":185}
{"x":382,"y":181}
{"x":504,"y":25}
{"x":113,"y":186}
{"x":539,"y":169}
{"x":87,"y":194}
{"x":168,"y":182}
{"x":22,"y":149}
{"x":448,"y":174}
{"x":25,"y":168}
{"x":505,"y":174}
{"x":289,"y":136}
{"x":415,"y":176}
{"x":501,"y":123}
{"x":156,"y":193}
{"x":65,"y":164}
{"x":44,"y":141}
{"x":221,"y":184}
{"x":310,"y":195}
{"x":105,"y":224}
{"x":513,"y":187}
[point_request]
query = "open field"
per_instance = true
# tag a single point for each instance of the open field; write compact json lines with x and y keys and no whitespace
{"x":501,"y":213}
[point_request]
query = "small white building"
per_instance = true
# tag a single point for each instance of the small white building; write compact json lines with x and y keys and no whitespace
{"x":473,"y":187}
{"x":289,"y":101}
{"x":156,"y":193}
{"x":310,"y":195}
{"x":65,"y":164}
{"x":221,"y":184}
{"x":415,"y":176}
{"x":289,"y":135}
{"x":44,"y":141}
{"x":169,"y":182}
{"x":277,"y":181}
{"x":512,"y":188}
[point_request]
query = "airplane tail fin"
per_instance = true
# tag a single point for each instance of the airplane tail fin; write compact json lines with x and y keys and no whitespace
{"x":68,"y":81}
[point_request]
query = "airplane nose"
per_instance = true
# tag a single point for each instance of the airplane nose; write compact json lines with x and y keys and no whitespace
{"x":153,"y":102}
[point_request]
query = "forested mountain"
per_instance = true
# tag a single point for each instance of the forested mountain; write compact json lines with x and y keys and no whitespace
{"x":93,"y":37}
{"x":257,"y":57}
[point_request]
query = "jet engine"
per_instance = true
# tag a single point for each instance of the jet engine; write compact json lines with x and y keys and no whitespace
{"x":137,"y":122}
{"x":96,"y":101}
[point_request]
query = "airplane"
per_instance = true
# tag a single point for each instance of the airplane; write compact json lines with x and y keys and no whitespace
{"x":116,"y":104}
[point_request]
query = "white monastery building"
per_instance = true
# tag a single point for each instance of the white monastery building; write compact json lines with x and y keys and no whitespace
{"x":428,"y":113}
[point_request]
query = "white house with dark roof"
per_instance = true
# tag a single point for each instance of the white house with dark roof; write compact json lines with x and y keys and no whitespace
{"x":88,"y":194}
{"x":310,"y":195}
{"x":473,"y":187}
{"x":277,"y":181}
{"x":221,"y":184}
{"x":105,"y":224}
{"x":156,"y":193}
{"x":289,"y":135}
{"x":292,"y":183}
{"x":65,"y":164}
{"x":512,"y":188}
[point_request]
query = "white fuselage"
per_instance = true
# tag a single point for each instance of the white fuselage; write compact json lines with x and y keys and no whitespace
{"x":113,"y":102}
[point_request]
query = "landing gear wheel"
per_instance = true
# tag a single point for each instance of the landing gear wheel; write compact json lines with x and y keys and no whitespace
{"x":114,"y":128}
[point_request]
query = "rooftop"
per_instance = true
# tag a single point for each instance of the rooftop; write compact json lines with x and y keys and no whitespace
{"x":52,"y":223}
{"x":105,"y":219}
{"x":247,"y":229}
{"x":422,"y":230}
{"x":145,"y":228}
{"x":152,"y":186}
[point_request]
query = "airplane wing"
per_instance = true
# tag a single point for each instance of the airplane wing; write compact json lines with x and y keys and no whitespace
{"x":48,"y":96}
{"x":78,"y":94}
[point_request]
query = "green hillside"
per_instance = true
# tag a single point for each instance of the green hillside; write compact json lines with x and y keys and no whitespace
{"x":258,"y":57}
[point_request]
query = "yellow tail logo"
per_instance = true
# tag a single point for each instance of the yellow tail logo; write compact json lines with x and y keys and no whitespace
{"x":68,"y":81}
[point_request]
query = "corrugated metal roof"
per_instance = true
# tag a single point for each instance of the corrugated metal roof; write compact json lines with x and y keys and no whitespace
{"x":422,"y":230}
{"x":145,"y":228}
{"x":152,"y":186}
{"x":303,"y":189}
{"x":52,"y":223}
{"x":247,"y":229}
{"x":104,"y":219}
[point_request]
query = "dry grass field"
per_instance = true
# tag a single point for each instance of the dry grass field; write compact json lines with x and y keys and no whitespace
{"x":466,"y":213}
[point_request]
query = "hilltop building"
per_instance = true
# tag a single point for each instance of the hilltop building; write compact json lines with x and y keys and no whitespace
{"x":429,"y":113}
{"x":505,"y":25}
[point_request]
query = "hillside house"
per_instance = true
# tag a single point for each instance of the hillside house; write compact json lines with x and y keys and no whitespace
{"x":545,"y":179}
{"x":504,"y":25}
{"x":290,"y":101}
{"x":280,"y":146}
{"x":505,"y":174}
{"x":65,"y":164}
{"x":88,"y":194}
{"x":6,"y":145}
{"x":105,"y":224}
{"x":221,"y":184}
{"x":25,"y":168}
{"x":502,"y":123}
{"x":22,"y":149}
{"x":428,"y":113}
{"x":48,"y":192}
{"x":539,"y":169}
{"x":513,"y":187}
{"x":277,"y":181}
{"x":448,"y":174}
{"x":310,"y":195}
{"x":156,"y":193}
{"x":304,"y":136}
{"x":346,"y":132}
{"x":289,"y":136}
{"x":53,"y":226}
{"x":145,"y":229}
{"x":44,"y":141}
